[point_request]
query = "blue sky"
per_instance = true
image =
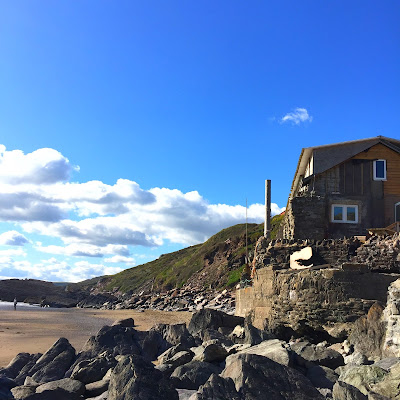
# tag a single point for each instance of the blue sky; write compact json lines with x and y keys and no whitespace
{"x":131,"y":129}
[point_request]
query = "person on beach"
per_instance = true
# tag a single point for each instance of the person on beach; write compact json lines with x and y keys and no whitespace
{"x":15,"y":303}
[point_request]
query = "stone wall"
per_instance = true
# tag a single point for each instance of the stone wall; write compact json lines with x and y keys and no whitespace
{"x":318,"y":296}
{"x":305,"y":218}
{"x":391,"y":316}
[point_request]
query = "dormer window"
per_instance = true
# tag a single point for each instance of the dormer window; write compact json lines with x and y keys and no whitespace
{"x":380,"y":170}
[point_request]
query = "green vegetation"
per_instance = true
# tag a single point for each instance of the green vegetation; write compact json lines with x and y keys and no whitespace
{"x":175,"y":269}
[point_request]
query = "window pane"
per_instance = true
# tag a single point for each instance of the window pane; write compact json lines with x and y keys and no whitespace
{"x":338,"y":213}
{"x":397,"y":212}
{"x":351,"y":214}
{"x":380,"y":169}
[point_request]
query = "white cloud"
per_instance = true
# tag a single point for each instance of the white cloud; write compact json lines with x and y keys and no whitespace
{"x":12,"y":252}
{"x":84,"y":250}
{"x":120,"y":259}
{"x":54,"y":270}
{"x":42,"y":166}
{"x":94,"y":219}
{"x":13,"y":238}
{"x":298,"y":116}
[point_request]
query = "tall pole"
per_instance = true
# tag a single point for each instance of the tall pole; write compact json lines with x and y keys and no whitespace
{"x":247,"y":255}
{"x":267,"y":224}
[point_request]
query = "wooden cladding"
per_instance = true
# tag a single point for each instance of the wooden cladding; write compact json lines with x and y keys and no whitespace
{"x":381,"y":152}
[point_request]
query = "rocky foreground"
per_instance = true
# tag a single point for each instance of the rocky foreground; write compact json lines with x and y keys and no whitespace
{"x":217,"y":357}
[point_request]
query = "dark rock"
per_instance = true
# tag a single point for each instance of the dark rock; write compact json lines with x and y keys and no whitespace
{"x":169,"y":353}
{"x":211,"y":334}
{"x":344,"y":391}
{"x":322,"y":377}
{"x":127,"y":322}
{"x":88,"y":371}
{"x":134,"y":378}
{"x":96,"y":388}
{"x":254,"y":336}
{"x":212,"y":319}
{"x":309,"y":354}
{"x":217,"y":388}
{"x":52,"y":365}
{"x":23,"y":373}
{"x":368,"y":333}
{"x":210,"y":351}
{"x":256,"y":377}
{"x":115,"y":340}
{"x":66,"y":384}
{"x":193,"y":374}
{"x":15,"y":365}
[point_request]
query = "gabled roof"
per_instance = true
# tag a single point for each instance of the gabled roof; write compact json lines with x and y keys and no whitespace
{"x":327,"y":156}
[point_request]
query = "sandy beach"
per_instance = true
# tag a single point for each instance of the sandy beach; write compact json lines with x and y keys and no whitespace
{"x":34,"y":330}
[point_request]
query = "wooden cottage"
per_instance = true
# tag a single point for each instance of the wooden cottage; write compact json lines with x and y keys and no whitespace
{"x":344,"y":189}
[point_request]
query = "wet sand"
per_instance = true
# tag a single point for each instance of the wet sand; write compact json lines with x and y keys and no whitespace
{"x":35,"y":330}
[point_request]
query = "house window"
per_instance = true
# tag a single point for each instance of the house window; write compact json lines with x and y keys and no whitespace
{"x":344,"y":213}
{"x":397,"y":212}
{"x":380,"y":170}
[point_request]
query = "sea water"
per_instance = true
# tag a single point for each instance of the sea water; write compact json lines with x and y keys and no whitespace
{"x":8,"y":305}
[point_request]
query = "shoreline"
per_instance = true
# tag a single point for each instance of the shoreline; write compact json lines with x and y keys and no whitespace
{"x":34,"y":330}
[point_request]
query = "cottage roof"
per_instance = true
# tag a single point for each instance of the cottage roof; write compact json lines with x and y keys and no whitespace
{"x":327,"y":156}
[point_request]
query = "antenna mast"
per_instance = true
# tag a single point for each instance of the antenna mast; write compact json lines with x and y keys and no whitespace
{"x":247,"y":251}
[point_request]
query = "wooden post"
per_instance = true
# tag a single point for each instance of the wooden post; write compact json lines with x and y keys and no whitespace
{"x":267,"y":224}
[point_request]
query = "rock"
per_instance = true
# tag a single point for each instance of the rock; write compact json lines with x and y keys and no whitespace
{"x":69,"y":385}
{"x":368,"y":333}
{"x":23,"y":374}
{"x":96,"y":388}
{"x":88,"y":371}
{"x":22,"y":392}
{"x":274,"y":349}
{"x":53,"y":364}
{"x":387,"y":363}
{"x":254,"y":336}
{"x":363,"y":377}
{"x":163,"y":336}
{"x":212,"y":319}
{"x":256,"y":376}
{"x":356,"y":358}
{"x":127,"y":322}
{"x":169,"y":353}
{"x":103,"y":396}
{"x":193,"y":374}
{"x":322,"y":377}
{"x":211,"y":334}
{"x":217,"y":388}
{"x":308,"y":354}
{"x":376,"y":396}
{"x":15,"y":365}
{"x":344,"y":391}
{"x":389,"y":386}
{"x":115,"y":340}
{"x":134,"y":378}
{"x":391,"y":316}
{"x":185,"y":394}
{"x":210,"y":351}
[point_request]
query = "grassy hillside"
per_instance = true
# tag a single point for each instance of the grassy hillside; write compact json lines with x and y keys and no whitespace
{"x":221,"y":258}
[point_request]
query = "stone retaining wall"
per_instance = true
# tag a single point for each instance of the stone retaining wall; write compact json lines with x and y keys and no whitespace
{"x":318,"y":296}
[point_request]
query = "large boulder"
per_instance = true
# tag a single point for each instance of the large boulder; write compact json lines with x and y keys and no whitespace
{"x":308,"y":354}
{"x":88,"y":371}
{"x":15,"y":365}
{"x":274,"y":349}
{"x":216,"y":388}
{"x":344,"y":391}
{"x":257,"y":376}
{"x":6,"y":384}
{"x":193,"y":374}
{"x":368,"y":333}
{"x":134,"y":378}
{"x":389,"y":386}
{"x":96,"y":388}
{"x":23,"y":373}
{"x":208,"y":318}
{"x":53,"y":364}
{"x":322,"y":377}
{"x":163,"y":336}
{"x":210,"y":351}
{"x":114,"y":340}
{"x":363,"y":377}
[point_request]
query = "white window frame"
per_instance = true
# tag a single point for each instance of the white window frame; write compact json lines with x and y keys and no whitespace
{"x":344,"y":220}
{"x":377,"y":178}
